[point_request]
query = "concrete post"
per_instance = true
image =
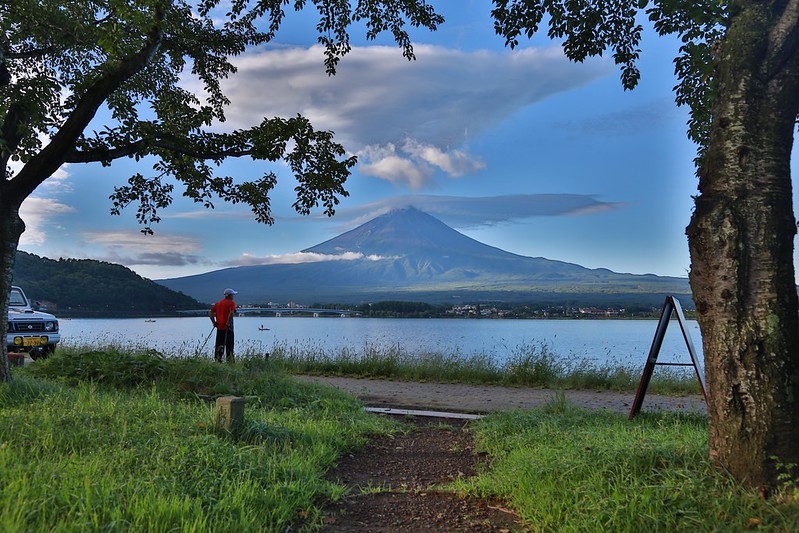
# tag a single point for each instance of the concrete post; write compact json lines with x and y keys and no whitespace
{"x":230,"y":414}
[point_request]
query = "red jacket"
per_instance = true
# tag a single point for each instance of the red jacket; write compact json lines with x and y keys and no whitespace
{"x":223,"y":309}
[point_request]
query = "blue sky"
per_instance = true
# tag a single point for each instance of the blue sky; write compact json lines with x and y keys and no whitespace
{"x":520,"y":149}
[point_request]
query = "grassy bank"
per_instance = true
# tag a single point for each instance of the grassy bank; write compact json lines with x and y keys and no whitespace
{"x":116,"y":441}
{"x":109,"y":440}
{"x":531,"y":365}
{"x":569,"y":470}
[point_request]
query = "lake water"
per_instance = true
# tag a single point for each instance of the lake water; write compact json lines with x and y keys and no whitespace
{"x":599,"y":341}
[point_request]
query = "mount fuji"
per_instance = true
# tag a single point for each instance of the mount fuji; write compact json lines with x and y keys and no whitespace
{"x":409,"y":255}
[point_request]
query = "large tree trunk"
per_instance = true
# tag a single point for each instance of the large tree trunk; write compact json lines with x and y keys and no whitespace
{"x":11,"y":228}
{"x":741,"y":242}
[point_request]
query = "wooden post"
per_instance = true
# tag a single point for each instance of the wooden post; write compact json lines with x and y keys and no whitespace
{"x":230,"y":414}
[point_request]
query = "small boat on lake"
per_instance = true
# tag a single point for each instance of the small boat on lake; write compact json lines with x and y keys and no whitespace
{"x":262,"y":328}
{"x":149,"y":320}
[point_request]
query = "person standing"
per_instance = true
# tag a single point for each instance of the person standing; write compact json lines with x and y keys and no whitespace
{"x":221,"y":315}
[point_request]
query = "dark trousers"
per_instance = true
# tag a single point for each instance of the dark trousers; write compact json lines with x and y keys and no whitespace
{"x":224,"y":342}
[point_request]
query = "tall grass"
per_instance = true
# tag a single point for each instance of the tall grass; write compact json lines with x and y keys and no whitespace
{"x":532,"y":365}
{"x":125,"y":441}
{"x":118,"y":441}
{"x":565,"y":469}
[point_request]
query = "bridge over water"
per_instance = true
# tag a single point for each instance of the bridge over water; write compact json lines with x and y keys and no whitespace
{"x":280,"y":311}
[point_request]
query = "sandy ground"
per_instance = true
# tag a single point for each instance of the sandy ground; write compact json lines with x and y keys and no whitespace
{"x":461,"y":398}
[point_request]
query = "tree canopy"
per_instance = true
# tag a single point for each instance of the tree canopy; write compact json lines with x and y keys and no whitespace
{"x":738,"y":70}
{"x":64,"y":61}
{"x":85,"y":287}
{"x":589,"y":29}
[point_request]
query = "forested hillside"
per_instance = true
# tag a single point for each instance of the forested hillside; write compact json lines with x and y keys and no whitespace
{"x":87,"y":287}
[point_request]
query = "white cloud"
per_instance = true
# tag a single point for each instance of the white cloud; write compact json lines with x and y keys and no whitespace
{"x":384,"y":162}
{"x":455,"y":163}
{"x":298,"y":257}
{"x":38,"y":213}
{"x":222,"y":211}
{"x":379,"y":101}
{"x":379,"y":97}
{"x":135,"y":248}
{"x":59,"y":181}
{"x":414,"y":163}
{"x":471,"y":212}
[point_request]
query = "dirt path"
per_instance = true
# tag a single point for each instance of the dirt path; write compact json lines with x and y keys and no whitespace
{"x":398,"y":483}
{"x":487,"y":398}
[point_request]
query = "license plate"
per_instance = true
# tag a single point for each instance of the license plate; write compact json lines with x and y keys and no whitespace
{"x":32,"y":341}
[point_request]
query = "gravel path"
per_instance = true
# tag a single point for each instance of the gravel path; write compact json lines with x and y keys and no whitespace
{"x":462,"y":398}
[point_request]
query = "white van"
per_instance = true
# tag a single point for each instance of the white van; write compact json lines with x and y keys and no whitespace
{"x":30,"y":331}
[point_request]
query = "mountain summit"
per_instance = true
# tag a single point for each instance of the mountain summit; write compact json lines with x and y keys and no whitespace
{"x":410,"y":255}
{"x":423,"y":247}
{"x":402,"y":232}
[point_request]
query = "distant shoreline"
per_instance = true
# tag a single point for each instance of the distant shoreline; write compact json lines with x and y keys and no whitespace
{"x":70,"y":315}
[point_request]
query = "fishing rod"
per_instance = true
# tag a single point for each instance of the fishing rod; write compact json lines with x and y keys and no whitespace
{"x":206,"y":339}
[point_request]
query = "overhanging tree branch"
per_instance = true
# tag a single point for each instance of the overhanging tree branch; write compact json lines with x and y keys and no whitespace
{"x":52,"y":156}
{"x":131,"y":57}
{"x":144,"y":147}
{"x":784,"y":38}
{"x":32,"y":54}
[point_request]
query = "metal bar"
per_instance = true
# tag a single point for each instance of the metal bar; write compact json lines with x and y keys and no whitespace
{"x":700,"y":374}
{"x":649,"y":367}
{"x":670,"y":306}
{"x":414,"y":412}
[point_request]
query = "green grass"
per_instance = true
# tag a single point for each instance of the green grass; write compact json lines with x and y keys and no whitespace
{"x":565,"y":469}
{"x":115,"y":441}
{"x":531,"y":365}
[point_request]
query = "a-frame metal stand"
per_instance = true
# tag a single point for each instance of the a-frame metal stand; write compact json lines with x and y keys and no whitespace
{"x":670,"y":306}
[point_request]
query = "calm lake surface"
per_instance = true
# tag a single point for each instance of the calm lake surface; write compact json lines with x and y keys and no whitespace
{"x":626,"y":342}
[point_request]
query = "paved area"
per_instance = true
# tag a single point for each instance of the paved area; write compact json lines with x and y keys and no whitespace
{"x":487,"y":398}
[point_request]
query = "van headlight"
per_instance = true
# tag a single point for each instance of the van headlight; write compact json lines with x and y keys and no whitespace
{"x":50,"y":326}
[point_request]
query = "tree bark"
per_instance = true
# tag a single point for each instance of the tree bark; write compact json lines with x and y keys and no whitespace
{"x":741,"y":243}
{"x":11,"y":228}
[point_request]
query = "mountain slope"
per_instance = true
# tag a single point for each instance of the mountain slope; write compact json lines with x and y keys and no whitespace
{"x":406,"y":231}
{"x":425,"y":246}
{"x":410,"y":255}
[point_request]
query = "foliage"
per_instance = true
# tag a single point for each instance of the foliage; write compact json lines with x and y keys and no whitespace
{"x":86,"y":286}
{"x":110,"y":455}
{"x":136,"y":453}
{"x":589,"y":29}
{"x":60,"y":62}
{"x":393,"y":309}
{"x":530,"y":365}
{"x":737,"y":69}
{"x":63,"y":62}
{"x":566,"y":469}
{"x":188,"y":377}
